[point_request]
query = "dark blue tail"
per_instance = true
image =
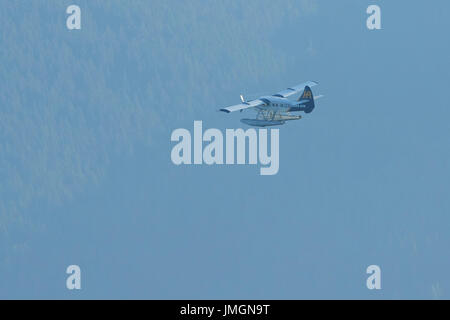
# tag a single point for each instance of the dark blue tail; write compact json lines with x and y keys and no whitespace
{"x":307,"y":100}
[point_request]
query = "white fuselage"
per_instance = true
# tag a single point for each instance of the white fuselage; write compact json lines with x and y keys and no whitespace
{"x":278,"y":104}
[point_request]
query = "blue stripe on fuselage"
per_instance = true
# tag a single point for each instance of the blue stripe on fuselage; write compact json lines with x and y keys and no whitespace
{"x":293,"y":109}
{"x":278,"y":104}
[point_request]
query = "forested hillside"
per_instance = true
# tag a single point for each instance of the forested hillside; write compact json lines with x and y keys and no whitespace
{"x":71,"y":101}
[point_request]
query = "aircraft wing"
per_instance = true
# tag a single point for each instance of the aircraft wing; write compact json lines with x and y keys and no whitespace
{"x":295,"y":89}
{"x":245,"y":105}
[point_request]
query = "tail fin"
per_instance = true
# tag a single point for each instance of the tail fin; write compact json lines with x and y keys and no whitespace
{"x":307,"y":99}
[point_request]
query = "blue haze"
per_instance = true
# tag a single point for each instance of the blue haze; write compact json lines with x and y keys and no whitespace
{"x":86,"y":176}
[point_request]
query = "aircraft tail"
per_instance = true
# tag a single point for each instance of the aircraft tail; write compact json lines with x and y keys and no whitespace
{"x":307,"y":99}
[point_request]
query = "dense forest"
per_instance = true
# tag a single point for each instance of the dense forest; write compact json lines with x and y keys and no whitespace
{"x":72,"y":100}
{"x":85,"y":171}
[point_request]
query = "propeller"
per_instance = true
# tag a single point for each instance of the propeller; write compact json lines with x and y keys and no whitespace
{"x":243,"y":100}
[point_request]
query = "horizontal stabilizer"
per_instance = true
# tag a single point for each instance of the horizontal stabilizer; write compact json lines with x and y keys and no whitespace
{"x":315,"y":98}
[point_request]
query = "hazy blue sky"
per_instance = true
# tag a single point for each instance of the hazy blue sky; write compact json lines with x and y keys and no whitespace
{"x":86,"y":176}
